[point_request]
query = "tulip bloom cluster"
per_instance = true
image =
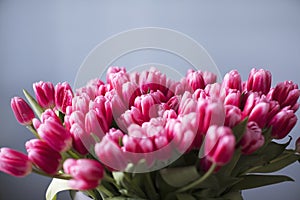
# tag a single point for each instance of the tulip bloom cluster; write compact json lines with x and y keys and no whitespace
{"x":142,"y":122}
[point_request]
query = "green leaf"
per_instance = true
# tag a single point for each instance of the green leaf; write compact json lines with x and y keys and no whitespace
{"x":56,"y":186}
{"x":185,"y":196}
{"x":33,"y":103}
{"x":277,"y":164}
{"x":239,"y":130}
{"x":254,"y":181}
{"x":179,"y":176}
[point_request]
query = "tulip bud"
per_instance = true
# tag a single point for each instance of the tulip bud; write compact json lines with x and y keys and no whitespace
{"x":282,"y":123}
{"x":259,"y":81}
{"x":44,"y":92}
{"x":233,"y":115}
{"x":110,"y":154}
{"x":152,"y":80}
{"x":219,"y":144}
{"x":232,"y":80}
{"x":14,"y":162}
{"x":86,"y":173}
{"x":195,"y":80}
{"x":287,"y":94}
{"x":209,"y":77}
{"x":22,"y":111}
{"x":55,"y":135}
{"x":233,"y":98}
{"x":145,"y":103}
{"x":81,"y":103}
{"x":43,"y":156}
{"x":259,"y":114}
{"x":252,"y":138}
{"x":63,"y":96}
{"x":113,"y":70}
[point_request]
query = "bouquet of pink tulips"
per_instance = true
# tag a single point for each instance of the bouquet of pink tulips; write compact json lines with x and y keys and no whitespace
{"x":142,"y":135}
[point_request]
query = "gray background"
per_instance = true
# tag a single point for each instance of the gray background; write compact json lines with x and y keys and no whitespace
{"x":43,"y":40}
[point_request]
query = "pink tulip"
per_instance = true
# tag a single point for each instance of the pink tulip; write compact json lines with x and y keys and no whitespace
{"x":252,"y":138}
{"x":22,"y":111}
{"x":63,"y":96}
{"x":146,"y":103}
{"x":209,"y":112}
{"x":287,"y":94}
{"x":14,"y":162}
{"x":44,"y":92}
{"x":233,"y":115}
{"x":233,"y":98}
{"x":113,"y":70}
{"x":195,"y":80}
{"x":86,"y":173}
{"x":117,"y":80}
{"x":232,"y":80}
{"x":132,"y":116}
{"x":152,"y":80}
{"x":259,"y":81}
{"x":55,"y":134}
{"x":81,"y":103}
{"x":49,"y":114}
{"x":43,"y":156}
{"x":215,"y":91}
{"x":219,"y":144}
{"x":109,"y":152}
{"x":209,"y":77}
{"x":282,"y":123}
{"x":187,"y":104}
{"x":259,"y":114}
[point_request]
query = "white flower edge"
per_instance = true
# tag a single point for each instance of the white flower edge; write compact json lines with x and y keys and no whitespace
{"x":56,"y":186}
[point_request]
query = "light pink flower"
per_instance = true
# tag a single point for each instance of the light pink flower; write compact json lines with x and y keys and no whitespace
{"x":86,"y":173}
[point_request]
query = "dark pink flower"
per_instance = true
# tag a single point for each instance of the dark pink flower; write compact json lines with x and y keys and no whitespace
{"x":43,"y":156}
{"x":252,"y":138}
{"x":22,"y":111}
{"x":14,"y":162}
{"x":195,"y":80}
{"x":287,"y":94}
{"x":63,"y":96}
{"x":44,"y":92}
{"x":233,"y":115}
{"x":282,"y":123}
{"x":232,"y":80}
{"x":259,"y":81}
{"x":219,"y":144}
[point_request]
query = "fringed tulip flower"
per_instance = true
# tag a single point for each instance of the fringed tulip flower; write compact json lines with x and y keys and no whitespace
{"x":22,"y":111}
{"x":44,"y":92}
{"x":252,"y":138}
{"x":219,"y":144}
{"x":14,"y":162}
{"x":259,"y":81}
{"x":282,"y":123}
{"x":86,"y":173}
{"x":63,"y":96}
{"x":43,"y":156}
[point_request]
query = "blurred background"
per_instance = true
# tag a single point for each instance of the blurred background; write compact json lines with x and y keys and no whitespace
{"x":48,"y":40}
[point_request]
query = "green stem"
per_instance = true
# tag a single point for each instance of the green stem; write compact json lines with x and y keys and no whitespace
{"x":73,"y":154}
{"x":150,"y":189}
{"x":60,"y":176}
{"x":105,"y":191}
{"x":92,"y":194}
{"x":32,"y":130}
{"x":197,"y":182}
